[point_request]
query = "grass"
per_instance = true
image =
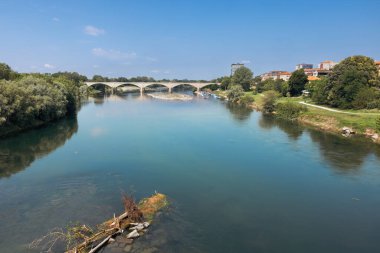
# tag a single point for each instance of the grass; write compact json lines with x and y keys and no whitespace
{"x":360,"y":121}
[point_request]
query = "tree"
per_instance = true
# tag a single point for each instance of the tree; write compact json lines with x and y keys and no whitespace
{"x":243,"y":76}
{"x":318,"y":90}
{"x":225,"y":82}
{"x":5,"y":71}
{"x":297,"y":82}
{"x":350,"y":77}
{"x":269,"y":101}
{"x":235,"y":93}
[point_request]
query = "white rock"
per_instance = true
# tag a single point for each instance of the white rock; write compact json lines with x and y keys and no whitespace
{"x":133,"y":234}
{"x":146,"y":224}
{"x":138,"y":227}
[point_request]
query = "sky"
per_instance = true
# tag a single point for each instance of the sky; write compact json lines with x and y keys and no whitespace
{"x":197,"y":39}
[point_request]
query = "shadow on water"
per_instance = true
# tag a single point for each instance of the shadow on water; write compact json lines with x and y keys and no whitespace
{"x":18,"y":152}
{"x":344,"y":155}
{"x":239,"y":113}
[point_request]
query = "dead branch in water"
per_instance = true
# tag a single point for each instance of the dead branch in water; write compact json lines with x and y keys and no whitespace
{"x":81,"y":239}
{"x":131,"y":208}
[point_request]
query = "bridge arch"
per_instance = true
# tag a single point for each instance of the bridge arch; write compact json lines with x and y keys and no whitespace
{"x":100,"y":83}
{"x":157,"y":84}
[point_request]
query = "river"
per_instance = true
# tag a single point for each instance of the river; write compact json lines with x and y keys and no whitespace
{"x":237,"y":181}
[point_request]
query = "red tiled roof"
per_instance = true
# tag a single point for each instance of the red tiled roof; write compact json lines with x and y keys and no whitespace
{"x":313,"y":78}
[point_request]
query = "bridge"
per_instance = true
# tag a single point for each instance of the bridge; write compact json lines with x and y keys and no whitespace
{"x":143,"y":85}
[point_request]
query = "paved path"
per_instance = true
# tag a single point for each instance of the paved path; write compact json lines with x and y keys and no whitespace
{"x":334,"y":110}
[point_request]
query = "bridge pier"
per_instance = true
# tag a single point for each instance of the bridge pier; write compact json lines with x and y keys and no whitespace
{"x":198,"y":89}
{"x":170,"y":89}
{"x":141,"y":90}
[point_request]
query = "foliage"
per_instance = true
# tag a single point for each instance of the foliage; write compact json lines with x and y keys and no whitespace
{"x":38,"y":98}
{"x":269,"y":101}
{"x":247,"y":99}
{"x":243,"y":76}
{"x":225,"y":82}
{"x":212,"y":87}
{"x":5,"y":71}
{"x":289,"y":110}
{"x":318,"y":90}
{"x":352,"y":76}
{"x":377,"y":125}
{"x":297,"y":82}
{"x":235,"y":93}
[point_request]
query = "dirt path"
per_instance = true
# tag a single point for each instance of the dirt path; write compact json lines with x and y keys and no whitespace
{"x":338,"y":111}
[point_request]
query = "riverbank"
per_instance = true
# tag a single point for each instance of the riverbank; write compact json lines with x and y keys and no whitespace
{"x":359,"y":122}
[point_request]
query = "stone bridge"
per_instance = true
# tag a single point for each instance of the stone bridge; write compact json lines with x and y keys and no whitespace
{"x":143,"y":85}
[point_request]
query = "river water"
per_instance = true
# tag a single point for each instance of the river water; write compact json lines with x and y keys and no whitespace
{"x":237,"y":181}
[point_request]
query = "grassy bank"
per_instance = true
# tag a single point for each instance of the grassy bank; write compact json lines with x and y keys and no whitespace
{"x":361,"y":121}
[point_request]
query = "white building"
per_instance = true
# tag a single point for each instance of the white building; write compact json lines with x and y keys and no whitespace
{"x":327,"y":65}
{"x":235,"y":66}
{"x":304,"y":66}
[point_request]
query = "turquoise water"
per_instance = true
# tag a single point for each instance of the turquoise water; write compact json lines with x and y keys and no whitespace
{"x":237,"y":181}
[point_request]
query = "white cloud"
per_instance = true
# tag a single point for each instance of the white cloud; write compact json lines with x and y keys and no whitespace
{"x":93,"y":31}
{"x":245,"y":61}
{"x":155,"y":71}
{"x":55,"y":19}
{"x":113,"y":54}
{"x":49,"y":66}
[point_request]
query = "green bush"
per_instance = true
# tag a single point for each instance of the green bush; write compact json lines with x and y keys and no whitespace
{"x":377,"y":125}
{"x":289,"y":110}
{"x":235,"y":93}
{"x":269,"y":101}
{"x":246,"y":99}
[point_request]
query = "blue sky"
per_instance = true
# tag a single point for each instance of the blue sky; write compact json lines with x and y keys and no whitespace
{"x":196,"y":39}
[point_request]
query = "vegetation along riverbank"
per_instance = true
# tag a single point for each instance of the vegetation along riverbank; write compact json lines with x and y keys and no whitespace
{"x":346,"y":101}
{"x":30,"y":100}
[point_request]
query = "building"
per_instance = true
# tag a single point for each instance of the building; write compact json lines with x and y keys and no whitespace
{"x":327,"y":65}
{"x":304,"y":66}
{"x":235,"y":66}
{"x":276,"y":74}
{"x":378,"y":66}
{"x":317,"y":72}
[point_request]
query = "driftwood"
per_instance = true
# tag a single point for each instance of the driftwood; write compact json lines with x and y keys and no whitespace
{"x":133,"y":213}
{"x":109,"y":229}
{"x":82,"y":239}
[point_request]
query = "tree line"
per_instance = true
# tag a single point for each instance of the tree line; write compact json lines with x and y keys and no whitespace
{"x":27,"y":100}
{"x":354,"y":83}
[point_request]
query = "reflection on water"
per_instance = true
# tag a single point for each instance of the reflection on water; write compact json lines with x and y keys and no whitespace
{"x":18,"y":152}
{"x":239,"y":112}
{"x":345,"y":155}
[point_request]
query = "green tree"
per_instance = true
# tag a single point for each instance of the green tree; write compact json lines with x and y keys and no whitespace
{"x":318,"y":90}
{"x":350,"y":77}
{"x":269,"y":101}
{"x":225,"y":82}
{"x":297,"y":82}
{"x":235,"y":93}
{"x":243,"y":76}
{"x":5,"y":71}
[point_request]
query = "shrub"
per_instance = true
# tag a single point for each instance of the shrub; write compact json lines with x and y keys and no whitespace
{"x":289,"y":110}
{"x":269,"y":101}
{"x":246,"y":99}
{"x":377,"y":125}
{"x":235,"y":93}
